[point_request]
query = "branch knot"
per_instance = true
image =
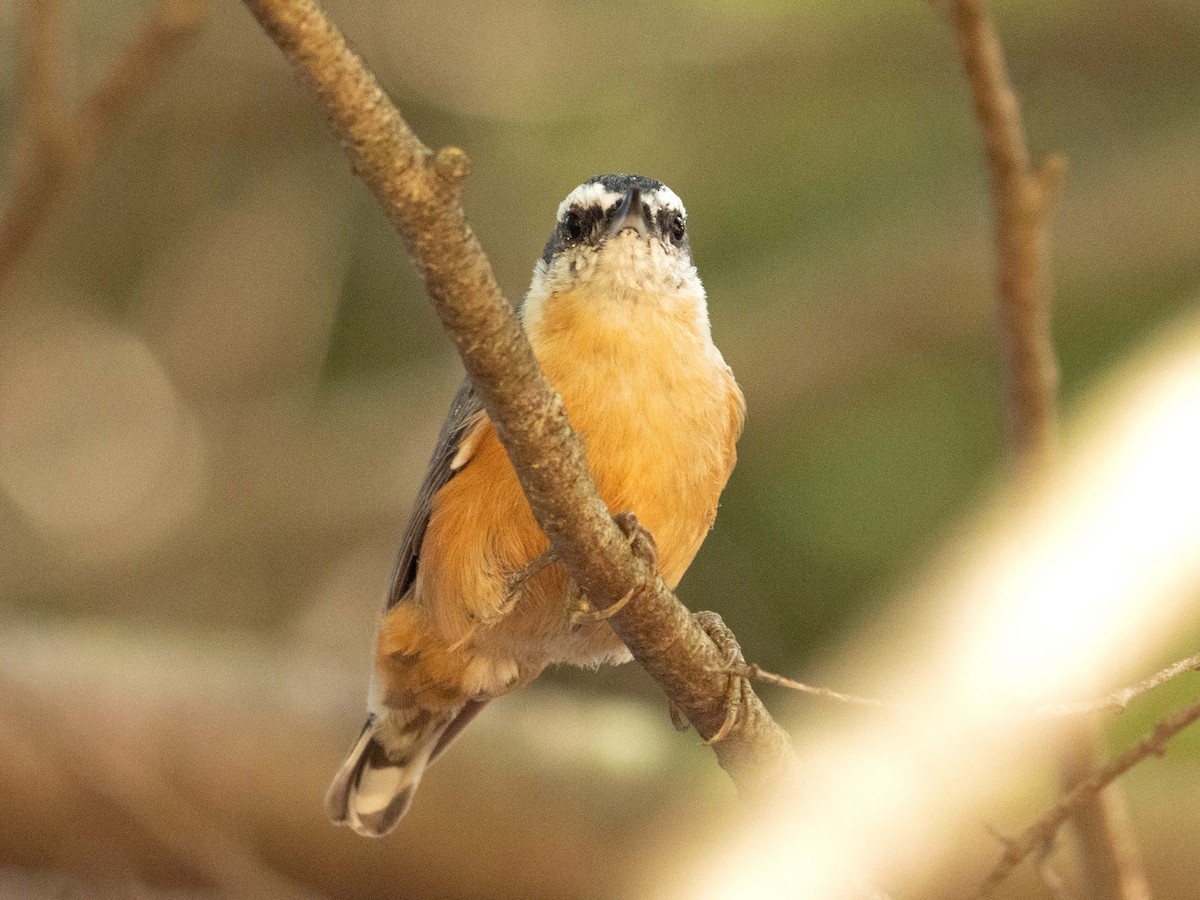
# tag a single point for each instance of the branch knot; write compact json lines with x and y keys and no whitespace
{"x":453,"y":166}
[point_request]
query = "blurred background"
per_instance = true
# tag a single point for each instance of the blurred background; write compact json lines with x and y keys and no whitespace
{"x":220,"y":383}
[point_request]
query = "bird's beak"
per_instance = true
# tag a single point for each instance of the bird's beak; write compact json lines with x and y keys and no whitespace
{"x":630,"y":214}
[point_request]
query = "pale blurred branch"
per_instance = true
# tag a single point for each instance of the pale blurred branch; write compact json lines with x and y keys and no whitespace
{"x":55,"y":148}
{"x":419,"y":191}
{"x":1110,"y":859}
{"x":1042,"y":832}
{"x":1050,"y":876}
{"x":1022,"y":195}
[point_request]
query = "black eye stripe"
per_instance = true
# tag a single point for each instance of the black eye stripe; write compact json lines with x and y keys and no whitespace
{"x":582,"y":223}
{"x":671,"y":224}
{"x":579,"y":222}
{"x":590,"y":215}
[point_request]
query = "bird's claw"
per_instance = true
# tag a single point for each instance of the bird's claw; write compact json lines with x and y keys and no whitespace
{"x":641,"y":541}
{"x":678,"y":719}
{"x":513,"y":583}
{"x":586,"y":614}
{"x":725,"y":641}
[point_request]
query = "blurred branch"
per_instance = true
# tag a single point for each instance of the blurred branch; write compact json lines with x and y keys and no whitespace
{"x":160,"y":812}
{"x":419,"y":191}
{"x":168,"y":28}
{"x":56,"y":150}
{"x":1110,"y":860}
{"x":238,"y":733}
{"x":40,"y":156}
{"x":1021,"y":198}
{"x":1115,"y":702}
{"x":1042,"y":832}
{"x":40,"y":123}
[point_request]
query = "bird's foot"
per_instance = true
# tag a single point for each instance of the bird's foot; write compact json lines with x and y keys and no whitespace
{"x":513,"y":584}
{"x":516,"y":580}
{"x":642,"y":544}
{"x":583,"y":613}
{"x":640,"y":540}
{"x":726,"y":643}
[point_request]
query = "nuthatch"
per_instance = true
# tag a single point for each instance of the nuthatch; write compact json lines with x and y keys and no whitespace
{"x":618,"y":320}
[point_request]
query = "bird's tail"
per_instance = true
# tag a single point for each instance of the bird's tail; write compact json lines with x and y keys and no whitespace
{"x":374,"y":787}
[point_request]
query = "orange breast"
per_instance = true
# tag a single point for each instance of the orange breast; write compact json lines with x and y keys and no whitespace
{"x":659,"y":414}
{"x":657,"y":408}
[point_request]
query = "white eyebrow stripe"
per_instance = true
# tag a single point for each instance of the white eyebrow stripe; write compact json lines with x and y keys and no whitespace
{"x":665,"y":198}
{"x":594,"y":194}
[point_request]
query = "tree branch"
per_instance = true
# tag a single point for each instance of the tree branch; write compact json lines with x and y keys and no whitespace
{"x":419,"y":191}
{"x":54,"y":152}
{"x":1021,"y":197}
{"x":40,"y":154}
{"x":131,"y":77}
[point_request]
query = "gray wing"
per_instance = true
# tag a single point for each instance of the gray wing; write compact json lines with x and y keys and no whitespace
{"x":464,"y":413}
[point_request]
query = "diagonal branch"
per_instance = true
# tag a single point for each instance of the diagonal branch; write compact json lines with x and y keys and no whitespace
{"x":1042,"y":832}
{"x":419,"y":191}
{"x":172,"y":24}
{"x":1119,"y":700}
{"x":56,"y":150}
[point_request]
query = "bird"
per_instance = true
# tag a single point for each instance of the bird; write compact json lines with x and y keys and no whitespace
{"x":618,"y":320}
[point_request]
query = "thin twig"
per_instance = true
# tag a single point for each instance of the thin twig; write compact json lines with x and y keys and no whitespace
{"x":61,"y":149}
{"x":1115,"y":702}
{"x":1021,"y":198}
{"x":1119,"y":700}
{"x":419,"y":192}
{"x":1044,"y":830}
{"x":755,"y":672}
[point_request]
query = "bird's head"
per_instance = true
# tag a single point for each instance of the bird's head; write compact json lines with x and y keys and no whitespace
{"x":618,"y":238}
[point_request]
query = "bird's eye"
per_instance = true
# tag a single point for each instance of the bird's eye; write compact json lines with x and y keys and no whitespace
{"x":675,"y":228}
{"x":573,"y":226}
